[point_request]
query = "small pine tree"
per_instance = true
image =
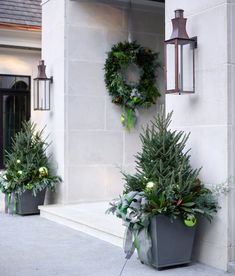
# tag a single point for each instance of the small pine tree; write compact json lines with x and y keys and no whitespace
{"x":163,"y":165}
{"x":27,"y":163}
{"x":162,"y":159}
{"x":28,"y":147}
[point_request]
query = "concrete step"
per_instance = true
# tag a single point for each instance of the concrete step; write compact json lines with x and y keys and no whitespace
{"x":89,"y":218}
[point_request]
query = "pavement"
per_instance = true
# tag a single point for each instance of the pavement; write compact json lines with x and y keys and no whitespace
{"x":31,"y":245}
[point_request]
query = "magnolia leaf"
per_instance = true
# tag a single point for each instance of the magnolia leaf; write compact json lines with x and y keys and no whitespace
{"x":186,"y":209}
{"x":188,"y":204}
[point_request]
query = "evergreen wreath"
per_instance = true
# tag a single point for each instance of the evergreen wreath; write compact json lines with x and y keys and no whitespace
{"x":132,"y":95}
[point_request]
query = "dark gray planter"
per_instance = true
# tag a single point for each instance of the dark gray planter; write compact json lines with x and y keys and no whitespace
{"x":172,"y":241}
{"x":27,"y":204}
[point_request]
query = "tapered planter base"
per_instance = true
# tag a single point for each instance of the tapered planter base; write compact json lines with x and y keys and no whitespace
{"x":27,"y":204}
{"x":172,"y":241}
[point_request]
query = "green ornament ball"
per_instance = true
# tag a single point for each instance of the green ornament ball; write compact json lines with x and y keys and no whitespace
{"x":135,"y":99}
{"x":190,"y":221}
{"x":43,"y":171}
{"x":28,"y":187}
{"x":19,"y":173}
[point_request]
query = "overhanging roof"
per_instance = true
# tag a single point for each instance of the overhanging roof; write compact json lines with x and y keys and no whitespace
{"x":22,"y":14}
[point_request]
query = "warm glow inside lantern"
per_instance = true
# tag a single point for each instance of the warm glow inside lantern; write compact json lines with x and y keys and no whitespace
{"x":42,"y":88}
{"x":180,"y":58}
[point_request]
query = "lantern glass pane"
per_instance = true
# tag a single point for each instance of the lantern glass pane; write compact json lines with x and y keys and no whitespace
{"x":35,"y":96}
{"x":170,"y":65}
{"x":186,"y":67}
{"x":41,"y":94}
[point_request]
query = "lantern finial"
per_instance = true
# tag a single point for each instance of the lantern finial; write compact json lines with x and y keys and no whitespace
{"x":42,"y":70}
{"x":179,"y":25}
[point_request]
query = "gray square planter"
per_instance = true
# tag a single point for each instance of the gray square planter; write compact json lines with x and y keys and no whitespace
{"x":172,"y":241}
{"x":27,"y":204}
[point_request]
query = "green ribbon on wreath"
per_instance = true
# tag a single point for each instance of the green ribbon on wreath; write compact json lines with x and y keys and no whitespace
{"x":129,"y":117}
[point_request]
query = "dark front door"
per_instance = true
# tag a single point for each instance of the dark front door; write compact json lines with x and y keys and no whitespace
{"x":14,"y":108}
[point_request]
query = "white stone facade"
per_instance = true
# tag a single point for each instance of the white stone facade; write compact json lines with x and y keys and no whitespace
{"x":208,"y":115}
{"x":90,"y":144}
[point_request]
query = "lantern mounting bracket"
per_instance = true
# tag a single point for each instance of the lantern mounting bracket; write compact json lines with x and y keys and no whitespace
{"x":194,"y":38}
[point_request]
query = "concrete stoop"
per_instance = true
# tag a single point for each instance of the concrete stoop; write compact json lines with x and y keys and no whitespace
{"x":89,"y":218}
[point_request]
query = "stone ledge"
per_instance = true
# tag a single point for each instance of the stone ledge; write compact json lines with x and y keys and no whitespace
{"x":89,"y":218}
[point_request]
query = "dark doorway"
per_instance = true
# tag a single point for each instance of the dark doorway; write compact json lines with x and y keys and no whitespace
{"x":14,"y":108}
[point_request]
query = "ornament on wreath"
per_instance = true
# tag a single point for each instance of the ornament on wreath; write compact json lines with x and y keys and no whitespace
{"x":130,"y":94}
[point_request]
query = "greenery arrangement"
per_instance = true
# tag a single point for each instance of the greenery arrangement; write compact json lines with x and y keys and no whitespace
{"x":132,"y":95}
{"x":27,"y":167}
{"x":164,"y":183}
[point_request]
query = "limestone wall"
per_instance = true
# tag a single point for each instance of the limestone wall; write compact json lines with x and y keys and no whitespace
{"x":205,"y":115}
{"x":53,"y":52}
{"x":97,"y":145}
{"x":231,"y":129}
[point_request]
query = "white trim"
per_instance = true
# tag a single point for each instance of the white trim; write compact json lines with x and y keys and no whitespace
{"x":20,"y":38}
{"x":20,"y":47}
{"x":137,"y":2}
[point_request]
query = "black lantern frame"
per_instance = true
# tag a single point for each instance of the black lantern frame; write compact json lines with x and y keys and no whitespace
{"x":180,"y":58}
{"x":42,"y":85}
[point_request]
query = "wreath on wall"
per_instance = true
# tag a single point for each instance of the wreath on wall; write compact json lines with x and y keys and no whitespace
{"x":131,"y":95}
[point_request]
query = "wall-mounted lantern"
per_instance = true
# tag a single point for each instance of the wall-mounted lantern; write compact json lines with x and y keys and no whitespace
{"x":42,"y":88}
{"x":179,"y":58}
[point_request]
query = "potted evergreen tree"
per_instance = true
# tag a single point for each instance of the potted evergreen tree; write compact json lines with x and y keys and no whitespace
{"x":27,"y":175}
{"x":162,"y":200}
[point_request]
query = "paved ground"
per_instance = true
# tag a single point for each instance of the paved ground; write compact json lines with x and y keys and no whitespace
{"x":34,"y":246}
